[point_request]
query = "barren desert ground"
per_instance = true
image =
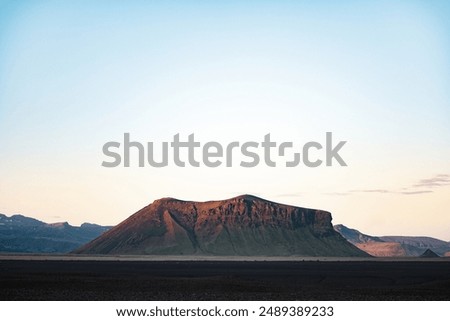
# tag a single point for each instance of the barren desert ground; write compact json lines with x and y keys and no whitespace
{"x":41,"y":277}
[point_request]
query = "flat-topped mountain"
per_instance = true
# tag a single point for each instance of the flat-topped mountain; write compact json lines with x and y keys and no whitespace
{"x":243,"y":225}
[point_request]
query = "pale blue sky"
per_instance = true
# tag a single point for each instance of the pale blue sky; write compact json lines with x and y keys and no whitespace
{"x":76,"y":75}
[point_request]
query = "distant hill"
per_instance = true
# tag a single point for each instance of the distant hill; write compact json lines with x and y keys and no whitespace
{"x":355,"y":236}
{"x":429,"y":253}
{"x":21,"y":234}
{"x":390,"y":246}
{"x":244,"y":225}
{"x":421,"y":242}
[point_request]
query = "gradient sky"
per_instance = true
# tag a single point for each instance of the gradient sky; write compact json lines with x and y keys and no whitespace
{"x":75,"y":75}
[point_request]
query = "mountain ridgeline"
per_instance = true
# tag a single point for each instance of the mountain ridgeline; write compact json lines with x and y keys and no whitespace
{"x":21,"y":234}
{"x":395,"y":246}
{"x":245,"y":225}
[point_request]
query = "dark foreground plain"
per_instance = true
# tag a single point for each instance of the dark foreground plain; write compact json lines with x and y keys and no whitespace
{"x":42,"y":279}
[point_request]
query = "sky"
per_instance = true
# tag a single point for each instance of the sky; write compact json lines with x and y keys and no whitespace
{"x":75,"y":75}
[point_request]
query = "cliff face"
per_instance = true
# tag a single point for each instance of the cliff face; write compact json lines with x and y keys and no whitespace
{"x":244,"y":225}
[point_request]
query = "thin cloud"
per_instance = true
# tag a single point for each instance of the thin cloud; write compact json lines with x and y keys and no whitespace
{"x":427,"y":185}
{"x":424,"y":186}
{"x":416,"y":192}
{"x":436,"y":181}
{"x":382,"y":191}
